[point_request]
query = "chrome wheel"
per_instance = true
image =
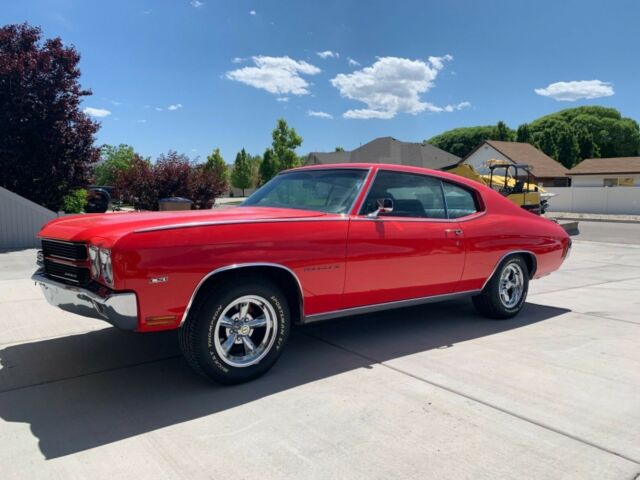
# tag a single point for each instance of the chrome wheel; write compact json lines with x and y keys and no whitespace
{"x":511,"y":285}
{"x":245,"y":331}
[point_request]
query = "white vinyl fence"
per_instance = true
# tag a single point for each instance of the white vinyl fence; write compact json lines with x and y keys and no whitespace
{"x":20,"y":220}
{"x":607,"y":200}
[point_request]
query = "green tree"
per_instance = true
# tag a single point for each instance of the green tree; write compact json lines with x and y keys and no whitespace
{"x":461,"y":141}
{"x":241,"y":173}
{"x":216,"y":163}
{"x":269,"y":166}
{"x":113,"y":160}
{"x":339,"y":149}
{"x":502,"y":132}
{"x":285,"y":141}
{"x":523,"y":135}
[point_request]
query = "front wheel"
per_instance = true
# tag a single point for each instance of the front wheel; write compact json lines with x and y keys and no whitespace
{"x":504,"y":295}
{"x":238,"y":332}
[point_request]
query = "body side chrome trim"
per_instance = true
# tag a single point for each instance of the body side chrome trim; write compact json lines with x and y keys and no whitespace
{"x":378,"y":307}
{"x":343,"y":217}
{"x":503,"y":257}
{"x":236,"y":266}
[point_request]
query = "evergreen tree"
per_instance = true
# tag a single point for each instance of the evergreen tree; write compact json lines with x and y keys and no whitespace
{"x":268,"y":167}
{"x":523,"y":134}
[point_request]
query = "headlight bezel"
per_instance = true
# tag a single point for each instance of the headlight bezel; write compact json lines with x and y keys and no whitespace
{"x":106,"y":266}
{"x":94,"y":258}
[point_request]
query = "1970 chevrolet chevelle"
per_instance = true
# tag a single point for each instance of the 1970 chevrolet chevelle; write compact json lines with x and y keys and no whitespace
{"x":314,"y":243}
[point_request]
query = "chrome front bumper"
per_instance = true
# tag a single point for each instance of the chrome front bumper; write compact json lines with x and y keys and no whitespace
{"x":119,"y":309}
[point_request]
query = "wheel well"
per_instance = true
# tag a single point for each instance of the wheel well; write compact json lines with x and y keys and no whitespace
{"x":530,"y":260}
{"x":281,"y":276}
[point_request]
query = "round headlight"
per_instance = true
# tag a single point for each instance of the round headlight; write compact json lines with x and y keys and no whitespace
{"x":95,"y":261}
{"x":105,"y":264}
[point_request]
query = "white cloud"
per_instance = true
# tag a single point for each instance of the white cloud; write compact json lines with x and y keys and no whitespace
{"x":282,"y":99}
{"x":174,"y":107}
{"x":158,"y":109}
{"x":142,"y":121}
{"x":392,"y":85}
{"x":238,"y":60}
{"x":97,"y":112}
{"x":252,"y":12}
{"x":147,"y":12}
{"x":576,"y":90}
{"x":277,"y":75}
{"x":313,"y":113}
{"x":328,"y":54}
{"x":353,"y":63}
{"x":196,"y":3}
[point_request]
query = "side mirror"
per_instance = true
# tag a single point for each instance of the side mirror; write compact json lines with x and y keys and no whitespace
{"x":385,"y":205}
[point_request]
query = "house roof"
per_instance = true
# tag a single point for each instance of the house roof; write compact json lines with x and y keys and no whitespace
{"x":389,"y":150}
{"x":595,"y":166}
{"x":542,"y":166}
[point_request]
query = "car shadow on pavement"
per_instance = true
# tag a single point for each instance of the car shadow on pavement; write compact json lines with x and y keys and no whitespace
{"x":84,"y":391}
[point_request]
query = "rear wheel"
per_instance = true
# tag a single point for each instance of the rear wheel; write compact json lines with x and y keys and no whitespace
{"x":505,"y":294}
{"x":238,"y":332}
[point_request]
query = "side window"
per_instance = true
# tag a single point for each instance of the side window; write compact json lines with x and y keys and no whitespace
{"x":417,"y":196}
{"x":460,"y":202}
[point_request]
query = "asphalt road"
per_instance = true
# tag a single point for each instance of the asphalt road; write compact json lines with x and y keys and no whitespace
{"x":429,"y":392}
{"x":609,"y":232}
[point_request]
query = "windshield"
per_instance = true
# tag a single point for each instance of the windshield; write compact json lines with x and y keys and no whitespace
{"x":330,"y":191}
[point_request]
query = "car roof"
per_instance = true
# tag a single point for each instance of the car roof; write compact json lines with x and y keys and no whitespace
{"x":394,"y":167}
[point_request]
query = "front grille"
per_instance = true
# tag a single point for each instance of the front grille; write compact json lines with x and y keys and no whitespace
{"x":69,"y":273}
{"x":66,"y":250}
{"x":66,"y":261}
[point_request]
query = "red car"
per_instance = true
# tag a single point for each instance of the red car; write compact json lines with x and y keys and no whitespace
{"x":314,"y":243}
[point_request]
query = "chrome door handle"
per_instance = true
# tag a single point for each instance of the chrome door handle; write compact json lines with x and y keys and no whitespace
{"x":455,"y":231}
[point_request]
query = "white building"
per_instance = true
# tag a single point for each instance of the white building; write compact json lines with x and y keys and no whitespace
{"x":545,"y":171}
{"x":606,"y":172}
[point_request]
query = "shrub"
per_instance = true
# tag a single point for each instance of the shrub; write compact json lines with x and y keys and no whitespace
{"x":75,"y":201}
{"x":173,"y":175}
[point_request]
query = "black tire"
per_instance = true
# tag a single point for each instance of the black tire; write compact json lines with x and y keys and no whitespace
{"x":490,"y":303}
{"x":197,"y":335}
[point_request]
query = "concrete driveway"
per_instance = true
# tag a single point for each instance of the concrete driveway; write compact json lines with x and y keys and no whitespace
{"x":429,"y":392}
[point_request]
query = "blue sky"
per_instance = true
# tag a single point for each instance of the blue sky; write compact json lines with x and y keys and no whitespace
{"x":192,"y":75}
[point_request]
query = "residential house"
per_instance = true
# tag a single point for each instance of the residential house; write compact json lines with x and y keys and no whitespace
{"x":545,"y":171}
{"x":606,"y":172}
{"x":389,"y":150}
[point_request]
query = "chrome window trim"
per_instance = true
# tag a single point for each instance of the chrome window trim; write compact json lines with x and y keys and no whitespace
{"x":383,"y":218}
{"x":366,"y":193}
{"x":361,"y":216}
{"x":504,"y":256}
{"x":378,"y":307}
{"x":237,"y":266}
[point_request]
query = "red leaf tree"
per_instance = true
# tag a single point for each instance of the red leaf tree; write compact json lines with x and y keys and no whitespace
{"x":46,"y":141}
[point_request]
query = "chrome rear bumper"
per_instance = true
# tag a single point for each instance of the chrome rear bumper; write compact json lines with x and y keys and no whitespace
{"x":119,"y":309}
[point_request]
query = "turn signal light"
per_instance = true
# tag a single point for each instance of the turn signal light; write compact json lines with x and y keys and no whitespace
{"x":162,"y":320}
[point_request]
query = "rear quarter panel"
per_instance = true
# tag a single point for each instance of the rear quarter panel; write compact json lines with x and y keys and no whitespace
{"x":506,"y":228}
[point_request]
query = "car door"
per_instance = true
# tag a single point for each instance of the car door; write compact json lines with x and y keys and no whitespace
{"x":411,"y":252}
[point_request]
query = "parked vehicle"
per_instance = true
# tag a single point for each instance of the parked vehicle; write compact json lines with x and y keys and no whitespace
{"x":314,"y":243}
{"x":513,"y":181}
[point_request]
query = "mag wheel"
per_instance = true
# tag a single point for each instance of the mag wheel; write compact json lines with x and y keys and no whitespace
{"x":505,"y":293}
{"x":237,"y":333}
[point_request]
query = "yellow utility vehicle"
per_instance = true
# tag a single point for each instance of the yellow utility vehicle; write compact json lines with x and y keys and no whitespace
{"x":513,"y":180}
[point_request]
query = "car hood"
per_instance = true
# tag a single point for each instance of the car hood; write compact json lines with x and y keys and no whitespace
{"x":111,"y":226}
